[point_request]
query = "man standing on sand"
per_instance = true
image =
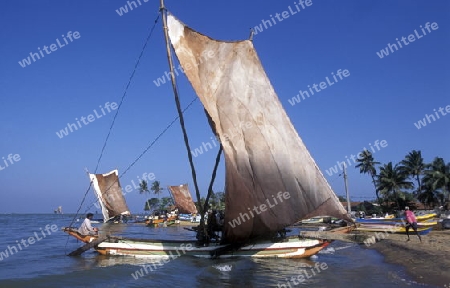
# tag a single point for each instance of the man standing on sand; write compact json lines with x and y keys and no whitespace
{"x":86,"y":227}
{"x":411,"y":222}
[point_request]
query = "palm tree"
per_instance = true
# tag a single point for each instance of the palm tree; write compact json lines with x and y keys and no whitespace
{"x":413,"y":166}
{"x":151,"y":203}
{"x":428,"y":196}
{"x":156,"y":188}
{"x":367,"y":166}
{"x":143,"y":187}
{"x":437,"y":176}
{"x":391,"y":180}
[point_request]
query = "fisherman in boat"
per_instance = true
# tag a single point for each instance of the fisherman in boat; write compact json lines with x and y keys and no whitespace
{"x":412,"y":222}
{"x":213,"y":225}
{"x":86,"y":227}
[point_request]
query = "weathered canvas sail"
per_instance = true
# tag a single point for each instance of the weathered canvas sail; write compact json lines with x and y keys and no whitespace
{"x":109,"y":193}
{"x":271,"y":179}
{"x":183,"y":199}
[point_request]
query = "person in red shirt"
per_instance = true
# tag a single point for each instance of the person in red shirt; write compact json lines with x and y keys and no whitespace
{"x":411,"y":222}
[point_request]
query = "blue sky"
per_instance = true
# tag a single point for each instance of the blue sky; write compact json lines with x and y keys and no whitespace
{"x":381,"y":99}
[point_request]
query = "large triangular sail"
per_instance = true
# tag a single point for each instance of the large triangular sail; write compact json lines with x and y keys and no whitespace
{"x":109,"y":193}
{"x":183,"y":199}
{"x":271,"y":179}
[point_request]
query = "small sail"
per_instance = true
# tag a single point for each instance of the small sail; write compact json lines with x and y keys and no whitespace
{"x":109,"y":192}
{"x":183,"y":199}
{"x":271,"y":179}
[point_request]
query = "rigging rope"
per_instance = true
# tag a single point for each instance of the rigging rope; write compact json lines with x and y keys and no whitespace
{"x":150,"y":145}
{"x":125,"y":92}
{"x":117,"y":112}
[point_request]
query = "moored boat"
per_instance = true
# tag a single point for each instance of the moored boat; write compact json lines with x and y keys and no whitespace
{"x":291,"y":247}
{"x":422,"y":230}
{"x":110,"y":196}
{"x":419,"y":218}
{"x":271,"y":180}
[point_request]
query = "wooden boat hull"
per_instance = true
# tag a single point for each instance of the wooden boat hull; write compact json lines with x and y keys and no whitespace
{"x":428,"y":223}
{"x":162,"y":222}
{"x":421,"y":218}
{"x":392,"y":229}
{"x":294,"y":247}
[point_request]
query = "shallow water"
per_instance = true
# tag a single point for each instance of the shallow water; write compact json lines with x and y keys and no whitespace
{"x":44,"y":264}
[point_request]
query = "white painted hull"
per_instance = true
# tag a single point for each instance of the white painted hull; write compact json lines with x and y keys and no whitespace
{"x":294,"y":248}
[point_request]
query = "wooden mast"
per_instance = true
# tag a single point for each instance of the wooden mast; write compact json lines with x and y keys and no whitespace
{"x":349,"y":209}
{"x":180,"y":115}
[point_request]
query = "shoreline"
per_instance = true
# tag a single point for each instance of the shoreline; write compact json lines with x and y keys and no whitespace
{"x":427,"y":262}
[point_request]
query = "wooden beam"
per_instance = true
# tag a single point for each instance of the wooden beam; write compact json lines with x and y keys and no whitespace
{"x":87,"y":246}
{"x":346,"y":237}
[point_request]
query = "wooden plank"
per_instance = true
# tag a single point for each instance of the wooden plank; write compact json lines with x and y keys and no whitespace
{"x":87,"y":246}
{"x":355,"y":238}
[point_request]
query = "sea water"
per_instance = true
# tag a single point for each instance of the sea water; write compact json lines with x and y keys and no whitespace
{"x":33,"y":254}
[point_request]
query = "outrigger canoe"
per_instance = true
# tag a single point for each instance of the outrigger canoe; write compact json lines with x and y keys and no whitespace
{"x":290,"y":247}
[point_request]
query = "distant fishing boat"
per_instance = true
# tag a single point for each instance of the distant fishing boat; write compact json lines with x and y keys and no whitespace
{"x":110,"y":197}
{"x":159,"y":218}
{"x":58,"y":210}
{"x":183,"y":199}
{"x":271,"y":180}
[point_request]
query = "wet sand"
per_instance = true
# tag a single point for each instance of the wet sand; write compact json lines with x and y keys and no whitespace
{"x":427,"y":262}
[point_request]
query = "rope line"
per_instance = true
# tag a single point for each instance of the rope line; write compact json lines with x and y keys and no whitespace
{"x":125,"y":92}
{"x":150,"y":145}
{"x":115,"y":115}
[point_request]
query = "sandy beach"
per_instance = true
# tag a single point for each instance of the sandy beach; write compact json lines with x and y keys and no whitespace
{"x":427,"y":262}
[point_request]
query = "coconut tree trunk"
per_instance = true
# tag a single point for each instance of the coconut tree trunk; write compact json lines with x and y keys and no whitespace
{"x":376,"y":191}
{"x":396,"y":198}
{"x":419,"y":185}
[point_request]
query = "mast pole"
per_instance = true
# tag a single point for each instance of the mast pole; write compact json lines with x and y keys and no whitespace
{"x":180,"y":112}
{"x":349,"y":209}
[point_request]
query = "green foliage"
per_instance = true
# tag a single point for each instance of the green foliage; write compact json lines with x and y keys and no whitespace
{"x":202,"y":203}
{"x":431,"y":181}
{"x":151,"y":204}
{"x":391,"y":182}
{"x":156,"y":188}
{"x":165,"y":203}
{"x":366,"y":165}
{"x":368,"y":208}
{"x":413,"y":166}
{"x":217,"y":200}
{"x":143,"y":187}
{"x":437,"y":180}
